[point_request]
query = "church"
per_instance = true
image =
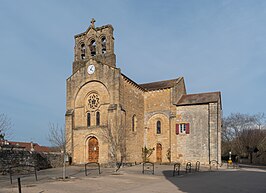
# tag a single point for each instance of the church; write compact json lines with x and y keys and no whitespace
{"x":111,"y":117}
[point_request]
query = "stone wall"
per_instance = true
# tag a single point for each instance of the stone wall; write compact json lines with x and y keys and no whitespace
{"x":105,"y":83}
{"x":9,"y":158}
{"x":203,"y":142}
{"x":193,"y":146}
{"x":215,"y":131}
{"x":158,"y":107}
{"x":133,"y":103}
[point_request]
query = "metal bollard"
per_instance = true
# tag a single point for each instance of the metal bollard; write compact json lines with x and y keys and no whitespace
{"x":19,"y":185}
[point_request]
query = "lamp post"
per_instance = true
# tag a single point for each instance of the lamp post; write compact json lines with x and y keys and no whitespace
{"x":230,"y":158}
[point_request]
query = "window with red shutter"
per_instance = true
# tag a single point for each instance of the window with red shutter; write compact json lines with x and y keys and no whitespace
{"x":182,"y":128}
{"x":187,"y":128}
{"x":177,"y":129}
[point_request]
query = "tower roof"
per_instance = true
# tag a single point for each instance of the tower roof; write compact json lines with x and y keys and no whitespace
{"x":92,"y":26}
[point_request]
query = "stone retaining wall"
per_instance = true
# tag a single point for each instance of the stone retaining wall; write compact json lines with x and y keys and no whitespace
{"x":9,"y":158}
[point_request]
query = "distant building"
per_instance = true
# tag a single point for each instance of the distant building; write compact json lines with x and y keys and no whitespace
{"x":28,"y":146}
{"x":180,"y":127}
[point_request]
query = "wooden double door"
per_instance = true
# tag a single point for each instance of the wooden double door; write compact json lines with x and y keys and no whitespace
{"x":93,"y":149}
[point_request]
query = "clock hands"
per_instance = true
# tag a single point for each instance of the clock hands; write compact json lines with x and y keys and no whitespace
{"x":91,"y":69}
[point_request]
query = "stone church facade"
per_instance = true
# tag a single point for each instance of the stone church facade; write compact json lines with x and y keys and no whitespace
{"x":180,"y":127}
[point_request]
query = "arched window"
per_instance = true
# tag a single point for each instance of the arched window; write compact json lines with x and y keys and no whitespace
{"x":93,"y":47}
{"x":103,"y":45}
{"x":88,"y":120}
{"x":158,"y":127}
{"x":83,"y":51}
{"x":98,"y":118}
{"x":134,"y":123}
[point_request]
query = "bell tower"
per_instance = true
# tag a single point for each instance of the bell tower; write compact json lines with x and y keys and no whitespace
{"x":95,"y":43}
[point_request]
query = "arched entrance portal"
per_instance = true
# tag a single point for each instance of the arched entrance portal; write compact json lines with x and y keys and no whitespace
{"x":158,"y":153}
{"x":93,"y":149}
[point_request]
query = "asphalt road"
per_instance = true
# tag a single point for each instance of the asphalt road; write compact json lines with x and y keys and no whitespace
{"x":130,"y":179}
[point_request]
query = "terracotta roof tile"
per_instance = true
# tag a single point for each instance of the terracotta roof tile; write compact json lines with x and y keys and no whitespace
{"x":201,"y":98}
{"x":28,"y":146}
{"x":159,"y":85}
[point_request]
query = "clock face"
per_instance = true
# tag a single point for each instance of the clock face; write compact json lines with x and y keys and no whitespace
{"x":91,"y":69}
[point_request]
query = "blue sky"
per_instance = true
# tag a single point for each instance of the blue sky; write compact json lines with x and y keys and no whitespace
{"x":214,"y":45}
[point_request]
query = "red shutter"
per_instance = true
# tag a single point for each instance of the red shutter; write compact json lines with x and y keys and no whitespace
{"x":177,"y":129}
{"x":187,"y":128}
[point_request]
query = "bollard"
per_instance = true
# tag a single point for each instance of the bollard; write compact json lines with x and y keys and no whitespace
{"x":19,"y":185}
{"x":197,"y":168}
{"x":176,"y":168}
{"x":188,"y":167}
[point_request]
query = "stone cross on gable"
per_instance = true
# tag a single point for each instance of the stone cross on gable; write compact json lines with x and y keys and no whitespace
{"x":92,"y":22}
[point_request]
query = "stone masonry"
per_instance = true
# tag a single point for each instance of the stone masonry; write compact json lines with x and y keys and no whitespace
{"x":159,"y":115}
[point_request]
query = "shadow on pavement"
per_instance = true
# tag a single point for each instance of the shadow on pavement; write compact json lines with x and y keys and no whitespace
{"x":220,"y":181}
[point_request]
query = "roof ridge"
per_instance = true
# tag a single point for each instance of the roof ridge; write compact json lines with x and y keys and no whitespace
{"x":160,"y":81}
{"x":217,"y":92}
{"x":164,"y":84}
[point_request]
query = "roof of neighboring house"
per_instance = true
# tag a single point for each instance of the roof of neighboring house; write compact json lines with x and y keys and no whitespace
{"x":201,"y":98}
{"x":28,"y":146}
{"x":159,"y":85}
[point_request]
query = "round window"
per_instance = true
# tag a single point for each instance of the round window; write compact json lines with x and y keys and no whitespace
{"x":93,"y":101}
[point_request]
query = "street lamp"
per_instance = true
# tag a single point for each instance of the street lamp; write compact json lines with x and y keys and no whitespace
{"x":230,"y":158}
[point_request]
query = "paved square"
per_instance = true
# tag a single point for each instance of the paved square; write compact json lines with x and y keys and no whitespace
{"x":130,"y":179}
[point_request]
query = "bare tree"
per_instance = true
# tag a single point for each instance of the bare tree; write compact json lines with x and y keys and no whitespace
{"x":242,"y":134}
{"x":5,"y":126}
{"x":262,"y":145}
{"x":259,"y":120}
{"x":232,"y":127}
{"x":57,"y":138}
{"x":250,"y":141}
{"x":116,"y":139}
